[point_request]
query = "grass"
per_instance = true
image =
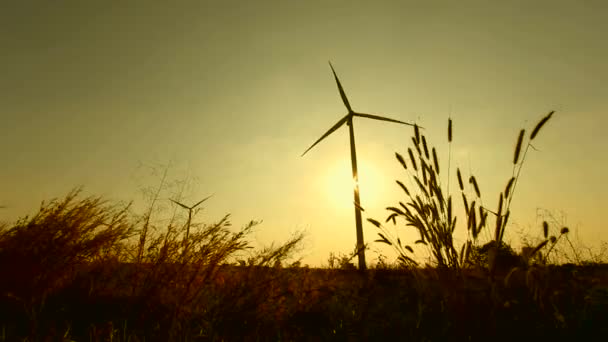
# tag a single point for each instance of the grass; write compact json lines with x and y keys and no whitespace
{"x":84,"y":269}
{"x":428,"y":208}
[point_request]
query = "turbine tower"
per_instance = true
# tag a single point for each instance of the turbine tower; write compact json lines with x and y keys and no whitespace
{"x":348,"y":120}
{"x":189,"y":213}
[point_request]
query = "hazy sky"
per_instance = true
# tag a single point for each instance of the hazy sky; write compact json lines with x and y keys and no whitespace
{"x":232,"y":92}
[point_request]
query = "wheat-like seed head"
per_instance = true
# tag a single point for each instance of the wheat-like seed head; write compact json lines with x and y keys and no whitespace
{"x":423,"y":167}
{"x":416,"y":145}
{"x":504,"y":224}
{"x":540,"y":124}
{"x":450,"y":209}
{"x":459,"y":179}
{"x":518,"y":146}
{"x":426,"y":150}
{"x":409,"y":151}
{"x":508,"y":188}
{"x":435,"y":160}
{"x":466,"y":204}
{"x":403,"y":187}
{"x":473,"y":181}
{"x":450,"y":130}
{"x":472,"y":222}
{"x":421,"y":186}
{"x":401,"y":160}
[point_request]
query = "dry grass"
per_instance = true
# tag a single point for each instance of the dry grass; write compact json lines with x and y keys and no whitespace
{"x":428,"y":209}
{"x":76,"y":276}
{"x":85,"y":269}
{"x":75,"y":262}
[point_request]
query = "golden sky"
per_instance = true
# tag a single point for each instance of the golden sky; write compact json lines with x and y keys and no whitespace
{"x":232,"y":92}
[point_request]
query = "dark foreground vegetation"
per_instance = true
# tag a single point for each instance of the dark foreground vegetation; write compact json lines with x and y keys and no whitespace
{"x":82,"y":269}
{"x":71,"y":273}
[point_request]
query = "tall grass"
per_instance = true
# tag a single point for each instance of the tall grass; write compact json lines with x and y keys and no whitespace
{"x":74,"y":268}
{"x":429,"y":209}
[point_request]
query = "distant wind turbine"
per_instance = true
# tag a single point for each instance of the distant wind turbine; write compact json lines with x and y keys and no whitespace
{"x":190,"y":213}
{"x":348,"y":120}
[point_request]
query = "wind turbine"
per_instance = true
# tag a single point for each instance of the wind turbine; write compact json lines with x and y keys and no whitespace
{"x":348,"y":120}
{"x":189,"y":213}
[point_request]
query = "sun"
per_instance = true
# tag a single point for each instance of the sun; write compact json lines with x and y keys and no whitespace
{"x":339,"y":185}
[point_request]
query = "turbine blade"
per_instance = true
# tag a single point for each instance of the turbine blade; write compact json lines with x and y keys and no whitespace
{"x":376,"y":117}
{"x":181,"y":205}
{"x":331,"y":130}
{"x":342,"y":94}
{"x":201,"y":201}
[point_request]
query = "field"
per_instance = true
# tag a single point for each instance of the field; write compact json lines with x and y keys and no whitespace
{"x":64,"y":278}
{"x":84,"y":269}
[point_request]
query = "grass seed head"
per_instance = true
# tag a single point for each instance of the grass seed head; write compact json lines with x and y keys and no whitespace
{"x":466,"y":204}
{"x":540,"y":124}
{"x":504,"y":224}
{"x":409,"y":151}
{"x":545,"y":229}
{"x":450,"y":209}
{"x":374,"y":222}
{"x":401,"y":160}
{"x":508,"y":188}
{"x":435,"y":160}
{"x":450,"y":130}
{"x":472,"y":222}
{"x":421,"y":186}
{"x":498,"y":228}
{"x":482,"y":221}
{"x":403,"y":187}
{"x":473,"y":181}
{"x":416,"y":145}
{"x":423,"y":167}
{"x":459,"y":180}
{"x":520,"y":140}
{"x":426,"y":150}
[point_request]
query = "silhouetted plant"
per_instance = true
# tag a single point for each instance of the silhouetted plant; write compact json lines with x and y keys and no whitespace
{"x":430,"y":210}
